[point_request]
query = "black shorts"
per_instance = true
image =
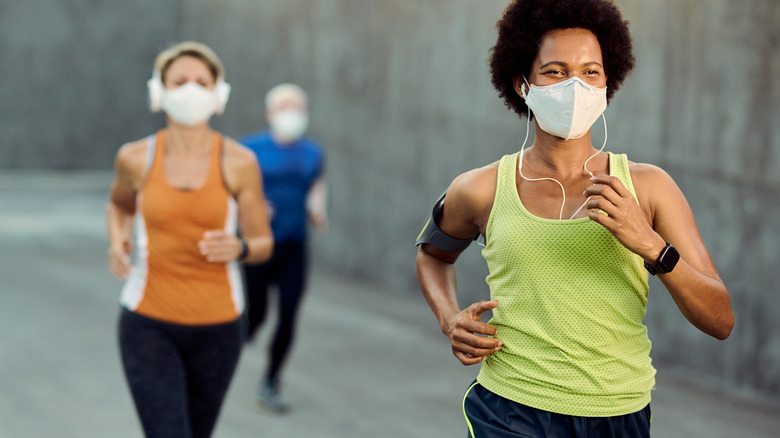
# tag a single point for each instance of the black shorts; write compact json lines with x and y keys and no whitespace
{"x":491,"y":416}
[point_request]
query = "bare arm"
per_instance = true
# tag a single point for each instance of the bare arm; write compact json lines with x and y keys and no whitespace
{"x":694,"y":283}
{"x":316,"y":205}
{"x":462,"y":217}
{"x":242,"y":175}
{"x":129,"y":167}
{"x":463,"y":327}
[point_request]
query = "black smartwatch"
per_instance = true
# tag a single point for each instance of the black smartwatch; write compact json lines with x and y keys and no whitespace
{"x":666,"y":261}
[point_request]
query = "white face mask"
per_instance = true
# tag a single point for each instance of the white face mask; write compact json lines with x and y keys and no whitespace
{"x":567,"y":109}
{"x":289,"y":125}
{"x":190,"y":104}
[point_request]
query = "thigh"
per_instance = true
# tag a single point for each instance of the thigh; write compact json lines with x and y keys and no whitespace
{"x":211,"y":359}
{"x":292,"y":277}
{"x":155,"y":374}
{"x":635,"y":425}
{"x":257,"y":277}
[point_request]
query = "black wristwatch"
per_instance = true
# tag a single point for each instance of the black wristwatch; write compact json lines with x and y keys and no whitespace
{"x":666,"y":261}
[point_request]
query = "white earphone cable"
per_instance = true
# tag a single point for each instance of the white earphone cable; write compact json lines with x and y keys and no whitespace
{"x":584,"y":166}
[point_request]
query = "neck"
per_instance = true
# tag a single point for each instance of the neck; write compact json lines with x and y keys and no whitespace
{"x":283,"y":143}
{"x":188,"y":139}
{"x":552,"y":155}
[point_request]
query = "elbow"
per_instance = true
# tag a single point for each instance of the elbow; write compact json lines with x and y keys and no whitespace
{"x":111,"y":208}
{"x":262,"y":254}
{"x":267,"y":252}
{"x":116,"y":207}
{"x":726,"y":330}
{"x":721,"y":335}
{"x":723,"y":330}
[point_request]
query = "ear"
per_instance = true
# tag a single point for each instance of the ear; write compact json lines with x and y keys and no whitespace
{"x":520,"y":87}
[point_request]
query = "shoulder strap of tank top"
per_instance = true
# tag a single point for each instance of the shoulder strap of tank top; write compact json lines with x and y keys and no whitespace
{"x":505,"y":178}
{"x":618,"y":166}
{"x":218,"y":149}
{"x":217,"y":171}
{"x":217,"y":154}
{"x":156,"y":154}
{"x":151,"y":142}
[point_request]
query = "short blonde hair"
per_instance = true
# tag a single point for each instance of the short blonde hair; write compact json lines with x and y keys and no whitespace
{"x":193,"y":49}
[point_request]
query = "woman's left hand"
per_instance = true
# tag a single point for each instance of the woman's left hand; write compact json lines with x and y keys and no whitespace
{"x":624,"y":218}
{"x":219,"y":247}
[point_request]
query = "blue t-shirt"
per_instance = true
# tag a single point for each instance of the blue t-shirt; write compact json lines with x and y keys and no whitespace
{"x":288,"y":173}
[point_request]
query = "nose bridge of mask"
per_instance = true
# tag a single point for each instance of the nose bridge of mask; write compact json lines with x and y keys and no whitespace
{"x":195,"y":94}
{"x":190,"y":84}
{"x":580,"y":93}
{"x":582,"y":90}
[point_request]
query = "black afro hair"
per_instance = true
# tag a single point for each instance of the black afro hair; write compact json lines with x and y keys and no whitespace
{"x":525,"y":22}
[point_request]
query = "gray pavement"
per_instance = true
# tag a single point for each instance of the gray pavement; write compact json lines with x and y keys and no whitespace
{"x":367,"y":363}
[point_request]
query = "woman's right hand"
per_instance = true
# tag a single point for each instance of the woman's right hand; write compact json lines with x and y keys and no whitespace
{"x":468,"y":335}
{"x":119,"y":258}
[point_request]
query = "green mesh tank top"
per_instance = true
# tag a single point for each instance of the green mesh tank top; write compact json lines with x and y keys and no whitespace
{"x":571,"y":300}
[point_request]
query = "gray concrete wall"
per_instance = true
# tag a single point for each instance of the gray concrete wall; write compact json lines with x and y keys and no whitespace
{"x":402,"y":102}
{"x":73,"y":75}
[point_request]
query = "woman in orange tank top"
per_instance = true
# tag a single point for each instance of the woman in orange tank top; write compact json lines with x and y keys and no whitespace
{"x":184,"y":190}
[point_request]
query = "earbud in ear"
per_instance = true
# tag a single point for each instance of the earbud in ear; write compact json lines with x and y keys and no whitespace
{"x":524,"y":88}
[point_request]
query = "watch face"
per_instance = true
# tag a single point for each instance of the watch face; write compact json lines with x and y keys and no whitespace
{"x":669,"y":258}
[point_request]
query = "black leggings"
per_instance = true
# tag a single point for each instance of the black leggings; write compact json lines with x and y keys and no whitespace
{"x":287,"y":268}
{"x":178,"y":375}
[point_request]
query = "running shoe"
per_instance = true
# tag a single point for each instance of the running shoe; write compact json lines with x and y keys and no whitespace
{"x":270,"y":399}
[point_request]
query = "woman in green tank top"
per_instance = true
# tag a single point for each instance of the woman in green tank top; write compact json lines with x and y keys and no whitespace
{"x":571,"y":235}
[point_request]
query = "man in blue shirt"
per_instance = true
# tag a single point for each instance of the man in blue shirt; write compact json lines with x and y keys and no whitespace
{"x":292,"y":168}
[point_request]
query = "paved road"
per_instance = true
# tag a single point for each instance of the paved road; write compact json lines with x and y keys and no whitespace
{"x":368,"y":363}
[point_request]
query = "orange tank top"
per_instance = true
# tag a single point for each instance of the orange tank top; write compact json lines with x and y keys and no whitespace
{"x":171,"y":280}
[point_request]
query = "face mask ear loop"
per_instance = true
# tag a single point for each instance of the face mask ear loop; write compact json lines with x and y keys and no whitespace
{"x":520,"y":165}
{"x":585,"y":165}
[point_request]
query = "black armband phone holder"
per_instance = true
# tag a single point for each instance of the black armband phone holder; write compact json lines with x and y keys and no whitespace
{"x":433,"y":235}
